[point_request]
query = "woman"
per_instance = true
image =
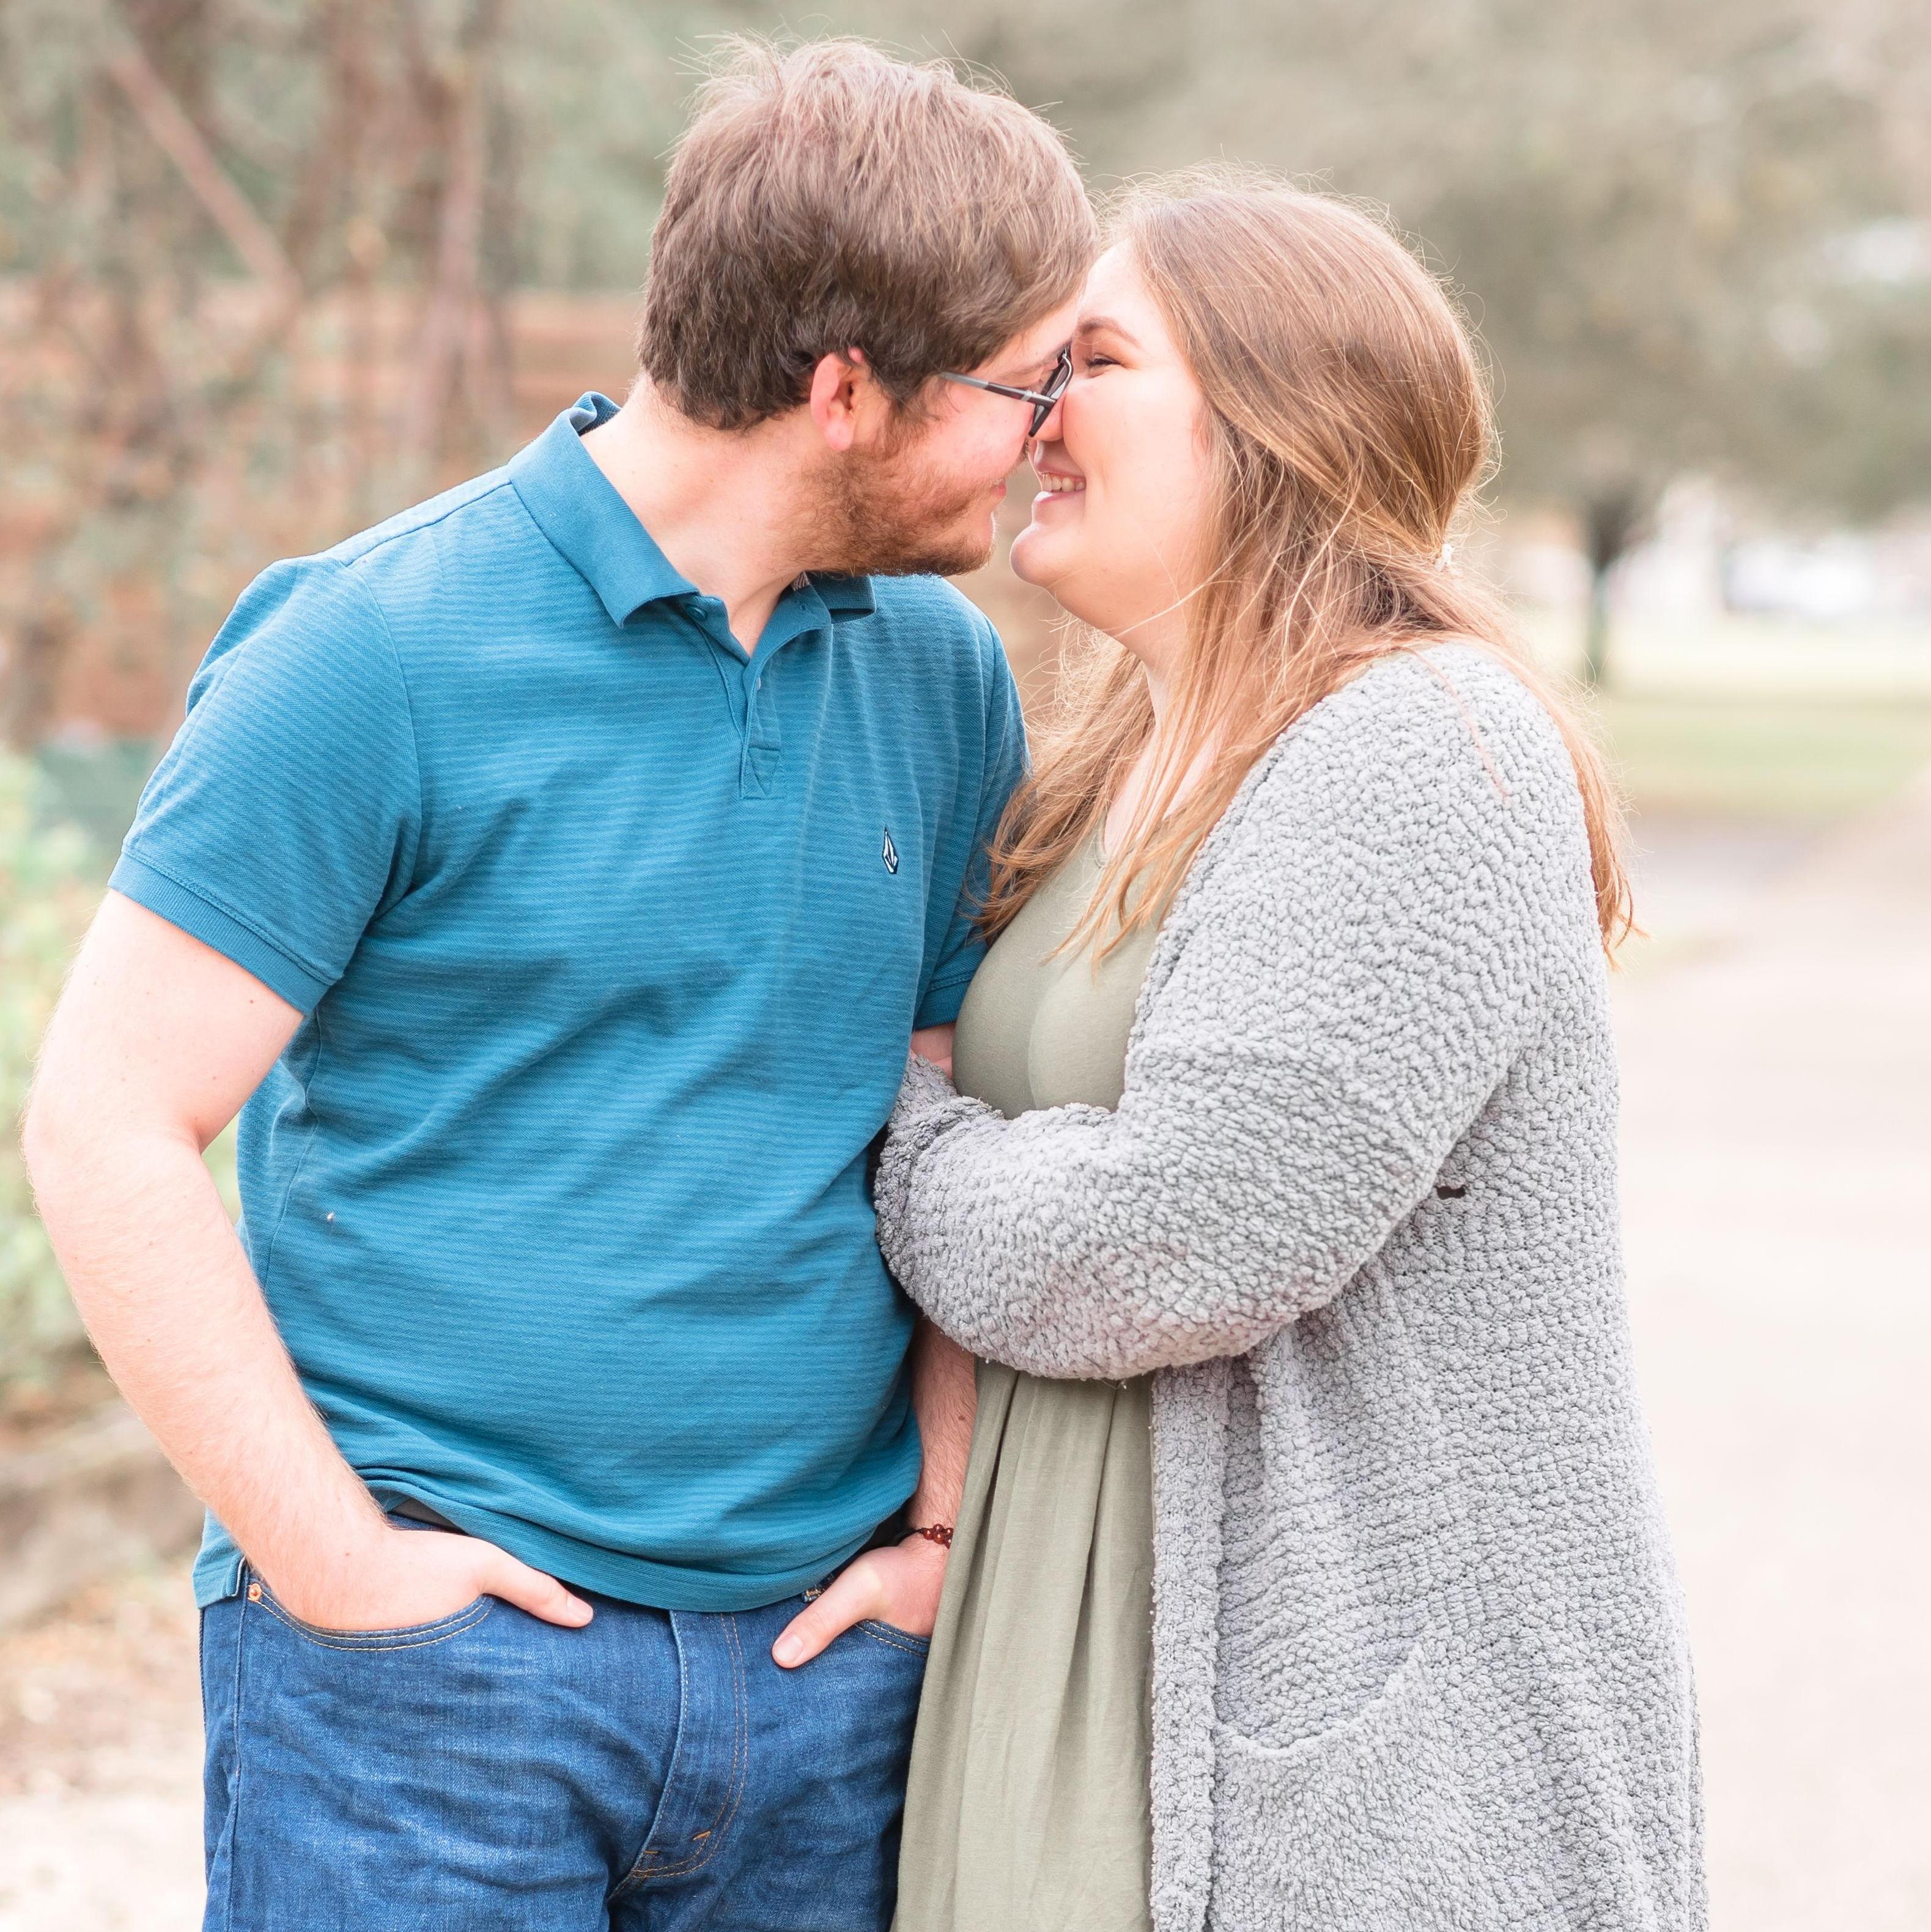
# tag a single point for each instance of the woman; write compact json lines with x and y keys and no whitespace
{"x":1339,"y":1216}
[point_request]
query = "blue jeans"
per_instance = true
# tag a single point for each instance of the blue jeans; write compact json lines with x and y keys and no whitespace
{"x":655,"y":1772}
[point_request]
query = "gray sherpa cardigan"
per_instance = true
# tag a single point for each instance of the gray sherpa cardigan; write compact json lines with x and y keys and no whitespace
{"x":1419,"y":1656}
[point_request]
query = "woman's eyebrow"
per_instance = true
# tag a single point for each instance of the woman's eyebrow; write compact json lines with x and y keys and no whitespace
{"x":1091,"y":325}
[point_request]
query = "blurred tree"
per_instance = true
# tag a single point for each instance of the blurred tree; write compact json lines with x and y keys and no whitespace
{"x":214,"y":210}
{"x":1880,"y":50}
{"x":48,"y":887}
{"x":1658,"y":268}
{"x":1647,"y":208}
{"x":1649,"y":299}
{"x":226,"y":224}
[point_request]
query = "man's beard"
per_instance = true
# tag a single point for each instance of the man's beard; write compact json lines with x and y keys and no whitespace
{"x":882,"y":517}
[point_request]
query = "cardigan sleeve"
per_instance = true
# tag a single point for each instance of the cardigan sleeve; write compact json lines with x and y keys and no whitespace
{"x":1359,"y":962}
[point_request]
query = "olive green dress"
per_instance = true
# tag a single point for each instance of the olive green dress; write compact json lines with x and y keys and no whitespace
{"x":1026,"y":1807}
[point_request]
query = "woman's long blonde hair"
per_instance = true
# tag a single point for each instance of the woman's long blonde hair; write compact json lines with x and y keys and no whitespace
{"x":1349,"y":426}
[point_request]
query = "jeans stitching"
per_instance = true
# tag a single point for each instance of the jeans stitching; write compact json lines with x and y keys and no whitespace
{"x":894,"y":1638}
{"x":418,"y":1636}
{"x":740,"y":1753}
{"x":637,"y":1873}
{"x":231,"y":1830}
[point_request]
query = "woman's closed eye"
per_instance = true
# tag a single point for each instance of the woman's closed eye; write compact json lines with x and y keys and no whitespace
{"x":1091,"y":362}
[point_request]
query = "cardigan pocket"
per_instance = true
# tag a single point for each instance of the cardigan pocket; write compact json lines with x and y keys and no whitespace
{"x":1359,"y":1829}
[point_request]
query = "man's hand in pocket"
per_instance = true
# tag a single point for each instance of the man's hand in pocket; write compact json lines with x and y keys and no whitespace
{"x":899,"y":1585}
{"x":399,"y":1578}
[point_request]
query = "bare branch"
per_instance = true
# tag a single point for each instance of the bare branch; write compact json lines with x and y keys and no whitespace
{"x":177,"y":136}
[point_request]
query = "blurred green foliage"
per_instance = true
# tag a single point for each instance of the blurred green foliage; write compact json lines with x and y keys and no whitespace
{"x":50,"y":881}
{"x":96,"y":787}
{"x":51,"y":874}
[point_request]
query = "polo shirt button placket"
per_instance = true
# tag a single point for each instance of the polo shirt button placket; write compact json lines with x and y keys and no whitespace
{"x":758,"y":763}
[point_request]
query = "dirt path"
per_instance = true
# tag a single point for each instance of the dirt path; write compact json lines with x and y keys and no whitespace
{"x":99,"y":1764}
{"x":1776,"y":1050}
{"x":1777,"y":1164}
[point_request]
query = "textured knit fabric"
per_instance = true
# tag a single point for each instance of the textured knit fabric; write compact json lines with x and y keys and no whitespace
{"x":609,"y":940}
{"x":1027,"y":1806}
{"x":1419,"y":1654}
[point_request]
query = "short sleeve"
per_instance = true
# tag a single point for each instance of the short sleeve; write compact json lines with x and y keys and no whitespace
{"x":285,"y":814}
{"x":1003,"y":765}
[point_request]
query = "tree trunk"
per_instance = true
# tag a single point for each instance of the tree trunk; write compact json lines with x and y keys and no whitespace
{"x":1610,"y":520}
{"x":452,"y":361}
{"x":40,"y":647}
{"x":1595,"y":629}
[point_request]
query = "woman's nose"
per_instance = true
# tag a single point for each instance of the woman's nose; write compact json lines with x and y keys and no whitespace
{"x":1051,"y":430}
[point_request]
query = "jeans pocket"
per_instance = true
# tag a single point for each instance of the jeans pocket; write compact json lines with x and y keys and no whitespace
{"x":890,"y":1633}
{"x":408,"y":1637}
{"x":1357,"y":1828}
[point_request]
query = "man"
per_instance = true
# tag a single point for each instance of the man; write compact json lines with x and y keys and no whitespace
{"x":563,"y":867}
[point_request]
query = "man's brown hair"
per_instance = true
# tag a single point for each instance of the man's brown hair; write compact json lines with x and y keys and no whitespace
{"x":827,"y":197}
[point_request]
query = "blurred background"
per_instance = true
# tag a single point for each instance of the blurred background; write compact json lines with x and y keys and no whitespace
{"x":270,"y":269}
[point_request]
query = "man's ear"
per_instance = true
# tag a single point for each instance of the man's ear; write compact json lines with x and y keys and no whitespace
{"x":844,"y":395}
{"x":848,"y":404}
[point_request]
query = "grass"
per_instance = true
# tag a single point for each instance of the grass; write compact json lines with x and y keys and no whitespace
{"x":1795,"y":760}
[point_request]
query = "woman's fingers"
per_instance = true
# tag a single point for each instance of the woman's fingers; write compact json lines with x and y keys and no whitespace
{"x":499,"y":1574}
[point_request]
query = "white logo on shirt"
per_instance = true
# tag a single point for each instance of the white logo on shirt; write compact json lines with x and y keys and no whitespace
{"x":890,"y":853}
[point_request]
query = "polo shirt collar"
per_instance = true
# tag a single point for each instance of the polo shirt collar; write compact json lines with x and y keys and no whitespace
{"x":598,"y":533}
{"x":595,"y":530}
{"x":845,"y":596}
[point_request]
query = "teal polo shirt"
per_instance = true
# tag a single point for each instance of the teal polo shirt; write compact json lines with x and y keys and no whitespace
{"x":608,"y":942}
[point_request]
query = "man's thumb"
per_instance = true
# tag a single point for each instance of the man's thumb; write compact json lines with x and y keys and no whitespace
{"x":531,"y":1590}
{"x":847,"y":1600}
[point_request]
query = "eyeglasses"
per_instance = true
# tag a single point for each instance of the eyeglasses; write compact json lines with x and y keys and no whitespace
{"x":1044,"y":401}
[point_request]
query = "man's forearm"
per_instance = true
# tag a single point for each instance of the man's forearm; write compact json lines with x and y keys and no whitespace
{"x":168,"y":1296}
{"x":945,"y":1388}
{"x":156,"y":1043}
{"x":945,"y":1398}
{"x":903,"y":1583}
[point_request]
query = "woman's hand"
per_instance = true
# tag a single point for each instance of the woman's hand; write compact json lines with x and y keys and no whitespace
{"x":935,"y":1044}
{"x":899,"y":1585}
